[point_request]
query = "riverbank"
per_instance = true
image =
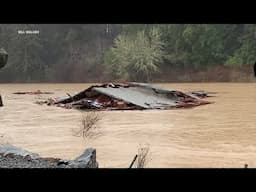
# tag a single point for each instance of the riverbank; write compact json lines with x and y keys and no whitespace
{"x":218,"y":73}
{"x":242,"y":73}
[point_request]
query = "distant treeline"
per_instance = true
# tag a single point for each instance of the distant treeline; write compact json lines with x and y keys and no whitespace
{"x":134,"y":52}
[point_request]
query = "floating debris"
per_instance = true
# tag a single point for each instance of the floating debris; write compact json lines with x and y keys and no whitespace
{"x":38,"y":92}
{"x":129,"y":96}
{"x":201,"y":94}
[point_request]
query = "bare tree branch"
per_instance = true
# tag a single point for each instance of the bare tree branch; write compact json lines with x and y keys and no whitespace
{"x":143,"y":157}
{"x":89,"y":126}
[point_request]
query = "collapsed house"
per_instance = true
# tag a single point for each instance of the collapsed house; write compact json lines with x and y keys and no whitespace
{"x":129,"y":96}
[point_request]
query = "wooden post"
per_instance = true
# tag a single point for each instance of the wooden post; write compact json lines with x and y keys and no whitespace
{"x":254,"y":68}
{"x":134,"y":159}
{"x":1,"y":101}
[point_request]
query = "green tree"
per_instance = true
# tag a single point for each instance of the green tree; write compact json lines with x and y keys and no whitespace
{"x":245,"y":54}
{"x":136,"y":57}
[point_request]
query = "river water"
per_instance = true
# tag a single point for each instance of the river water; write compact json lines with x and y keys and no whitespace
{"x":219,"y":135}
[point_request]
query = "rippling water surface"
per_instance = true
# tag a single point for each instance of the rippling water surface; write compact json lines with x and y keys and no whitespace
{"x":222,"y":134}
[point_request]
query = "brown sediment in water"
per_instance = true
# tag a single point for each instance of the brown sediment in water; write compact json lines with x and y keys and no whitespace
{"x":218,"y":135}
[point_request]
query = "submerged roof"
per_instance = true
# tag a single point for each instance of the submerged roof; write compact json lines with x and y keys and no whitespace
{"x":141,"y":96}
{"x":144,"y":96}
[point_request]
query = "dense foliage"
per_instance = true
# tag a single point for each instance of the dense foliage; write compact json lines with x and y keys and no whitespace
{"x":137,"y":52}
{"x":135,"y":57}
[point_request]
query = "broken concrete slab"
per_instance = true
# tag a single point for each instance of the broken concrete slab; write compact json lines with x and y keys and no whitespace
{"x":15,"y":157}
{"x":10,"y":150}
{"x":86,"y":160}
{"x":129,"y":96}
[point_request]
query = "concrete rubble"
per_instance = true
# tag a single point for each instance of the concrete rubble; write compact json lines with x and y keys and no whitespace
{"x":15,"y":157}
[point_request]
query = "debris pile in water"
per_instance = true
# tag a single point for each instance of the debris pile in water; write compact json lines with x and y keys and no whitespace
{"x":129,"y":96}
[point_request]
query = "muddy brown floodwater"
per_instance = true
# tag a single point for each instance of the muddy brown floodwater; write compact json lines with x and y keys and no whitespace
{"x":219,"y":135}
